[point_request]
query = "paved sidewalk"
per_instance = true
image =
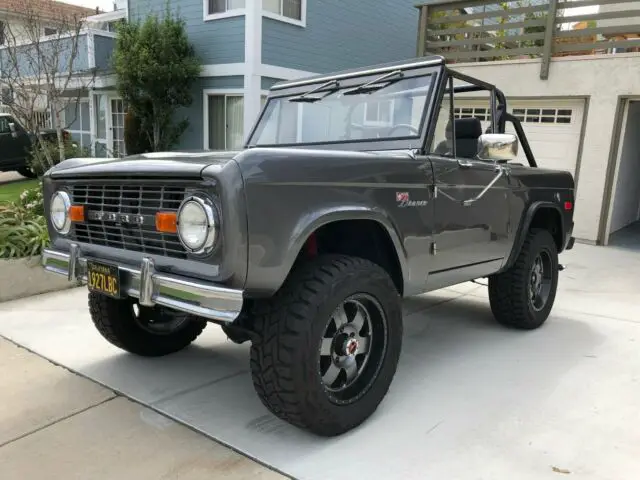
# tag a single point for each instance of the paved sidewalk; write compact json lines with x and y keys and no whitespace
{"x":57,"y":425}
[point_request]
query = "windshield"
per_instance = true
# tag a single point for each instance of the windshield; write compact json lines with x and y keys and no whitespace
{"x":393,"y":110}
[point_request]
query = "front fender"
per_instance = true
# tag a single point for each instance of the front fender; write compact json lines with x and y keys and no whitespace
{"x":267,"y":272}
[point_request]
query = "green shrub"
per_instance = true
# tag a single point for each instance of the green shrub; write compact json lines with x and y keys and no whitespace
{"x":135,"y":139}
{"x":22,"y":238}
{"x":23,"y":229}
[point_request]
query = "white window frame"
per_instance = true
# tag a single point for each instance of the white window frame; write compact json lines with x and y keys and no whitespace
{"x":226,"y":92}
{"x":236,"y":12}
{"x":281,"y":18}
{"x":378,"y":122}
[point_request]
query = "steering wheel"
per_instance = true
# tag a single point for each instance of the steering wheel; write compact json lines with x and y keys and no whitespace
{"x":405,"y":125}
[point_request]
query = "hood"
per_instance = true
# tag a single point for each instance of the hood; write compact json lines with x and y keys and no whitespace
{"x":165,"y":164}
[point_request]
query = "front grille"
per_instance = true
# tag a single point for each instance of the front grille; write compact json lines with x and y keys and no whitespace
{"x":123,"y":216}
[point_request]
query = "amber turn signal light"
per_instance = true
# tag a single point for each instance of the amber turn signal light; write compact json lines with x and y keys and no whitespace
{"x":166,"y":222}
{"x":76,"y":213}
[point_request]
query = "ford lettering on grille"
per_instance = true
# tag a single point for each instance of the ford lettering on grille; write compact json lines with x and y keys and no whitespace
{"x":121,"y":218}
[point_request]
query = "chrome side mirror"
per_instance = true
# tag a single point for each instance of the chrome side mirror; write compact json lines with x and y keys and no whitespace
{"x":12,"y":127}
{"x":500,"y":147}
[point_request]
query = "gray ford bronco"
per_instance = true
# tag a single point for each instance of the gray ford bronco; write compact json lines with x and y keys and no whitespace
{"x":353,"y":190}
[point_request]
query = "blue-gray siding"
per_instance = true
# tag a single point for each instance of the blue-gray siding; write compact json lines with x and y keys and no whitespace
{"x":192,"y":137}
{"x":103,"y":49}
{"x":343,"y":34}
{"x":268,"y":82}
{"x":29,"y":63}
{"x":218,"y":41}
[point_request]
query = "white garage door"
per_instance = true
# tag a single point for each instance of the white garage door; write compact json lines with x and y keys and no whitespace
{"x":552,"y":128}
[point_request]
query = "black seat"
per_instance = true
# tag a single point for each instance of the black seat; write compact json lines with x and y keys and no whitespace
{"x":468,"y":131}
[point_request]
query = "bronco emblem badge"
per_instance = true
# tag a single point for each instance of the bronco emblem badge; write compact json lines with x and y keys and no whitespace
{"x":403,"y":200}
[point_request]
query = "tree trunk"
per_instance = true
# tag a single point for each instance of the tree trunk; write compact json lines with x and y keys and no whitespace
{"x":59,"y":136}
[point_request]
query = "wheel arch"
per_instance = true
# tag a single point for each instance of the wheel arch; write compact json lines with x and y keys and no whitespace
{"x":541,"y":214}
{"x":355,"y":224}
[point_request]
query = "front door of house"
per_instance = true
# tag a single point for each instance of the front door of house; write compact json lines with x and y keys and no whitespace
{"x":109,"y":125}
{"x":117,"y":127}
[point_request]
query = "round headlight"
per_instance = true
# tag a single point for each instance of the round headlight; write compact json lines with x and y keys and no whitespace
{"x":59,"y":212}
{"x":197,"y":225}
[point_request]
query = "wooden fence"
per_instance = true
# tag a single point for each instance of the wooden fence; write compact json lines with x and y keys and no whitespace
{"x":481,"y":30}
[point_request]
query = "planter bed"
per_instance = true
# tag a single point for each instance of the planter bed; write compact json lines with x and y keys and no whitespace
{"x":24,"y":277}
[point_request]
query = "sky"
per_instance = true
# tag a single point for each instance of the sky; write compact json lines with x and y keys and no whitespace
{"x":104,"y":5}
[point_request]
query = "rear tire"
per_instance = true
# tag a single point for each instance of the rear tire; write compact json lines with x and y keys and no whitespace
{"x":522,"y":297}
{"x":144,"y":331}
{"x":328,"y":344}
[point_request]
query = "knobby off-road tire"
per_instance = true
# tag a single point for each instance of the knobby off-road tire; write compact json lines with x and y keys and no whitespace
{"x":120,"y":324}
{"x":300,"y":347}
{"x":512,"y":293}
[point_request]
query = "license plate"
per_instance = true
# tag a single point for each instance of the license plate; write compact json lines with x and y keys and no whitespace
{"x":104,"y":279}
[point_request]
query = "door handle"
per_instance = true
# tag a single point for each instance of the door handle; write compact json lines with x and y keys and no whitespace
{"x":465,"y":163}
{"x":471,"y":201}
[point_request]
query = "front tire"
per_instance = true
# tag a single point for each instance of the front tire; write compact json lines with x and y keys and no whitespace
{"x":144,"y":331}
{"x":328,"y":344}
{"x":522,"y":297}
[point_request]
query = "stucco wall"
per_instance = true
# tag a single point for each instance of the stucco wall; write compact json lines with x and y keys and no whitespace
{"x":601,"y":79}
{"x":627,"y":197}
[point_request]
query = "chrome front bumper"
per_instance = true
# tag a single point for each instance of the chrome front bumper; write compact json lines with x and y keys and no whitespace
{"x":152,"y":288}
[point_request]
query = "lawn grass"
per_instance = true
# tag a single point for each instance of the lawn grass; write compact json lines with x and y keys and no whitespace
{"x":10,"y":192}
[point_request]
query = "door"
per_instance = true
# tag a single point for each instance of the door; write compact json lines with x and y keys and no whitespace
{"x":469,"y":230}
{"x":116,"y":139}
{"x":7,"y":144}
{"x":100,"y":109}
{"x":14,"y":150}
{"x":471,"y":199}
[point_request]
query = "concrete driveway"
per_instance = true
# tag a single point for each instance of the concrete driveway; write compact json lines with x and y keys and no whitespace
{"x":470,"y":400}
{"x":6,"y":177}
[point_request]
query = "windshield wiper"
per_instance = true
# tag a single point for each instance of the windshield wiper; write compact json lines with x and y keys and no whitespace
{"x":374,"y":84}
{"x":306,"y":98}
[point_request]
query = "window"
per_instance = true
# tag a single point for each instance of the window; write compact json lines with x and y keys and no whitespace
{"x":225,"y":122}
{"x":223,"y":6}
{"x":77,"y":121}
{"x":4,"y":125}
{"x":378,"y":113}
{"x":49,"y":31}
{"x":394,"y":112}
{"x":287,"y":8}
{"x":543,"y":115}
{"x":471,"y":120}
{"x":484,"y":114}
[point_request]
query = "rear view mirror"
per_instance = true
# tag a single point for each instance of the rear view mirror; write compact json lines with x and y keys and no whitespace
{"x":498,"y":146}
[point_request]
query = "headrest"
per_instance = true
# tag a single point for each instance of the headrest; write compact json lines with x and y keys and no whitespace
{"x":468,"y":128}
{"x":465,"y":128}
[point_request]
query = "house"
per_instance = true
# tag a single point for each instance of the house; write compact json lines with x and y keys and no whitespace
{"x":21,"y":22}
{"x":576,"y":94}
{"x":37,"y":37}
{"x":246,"y":46}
